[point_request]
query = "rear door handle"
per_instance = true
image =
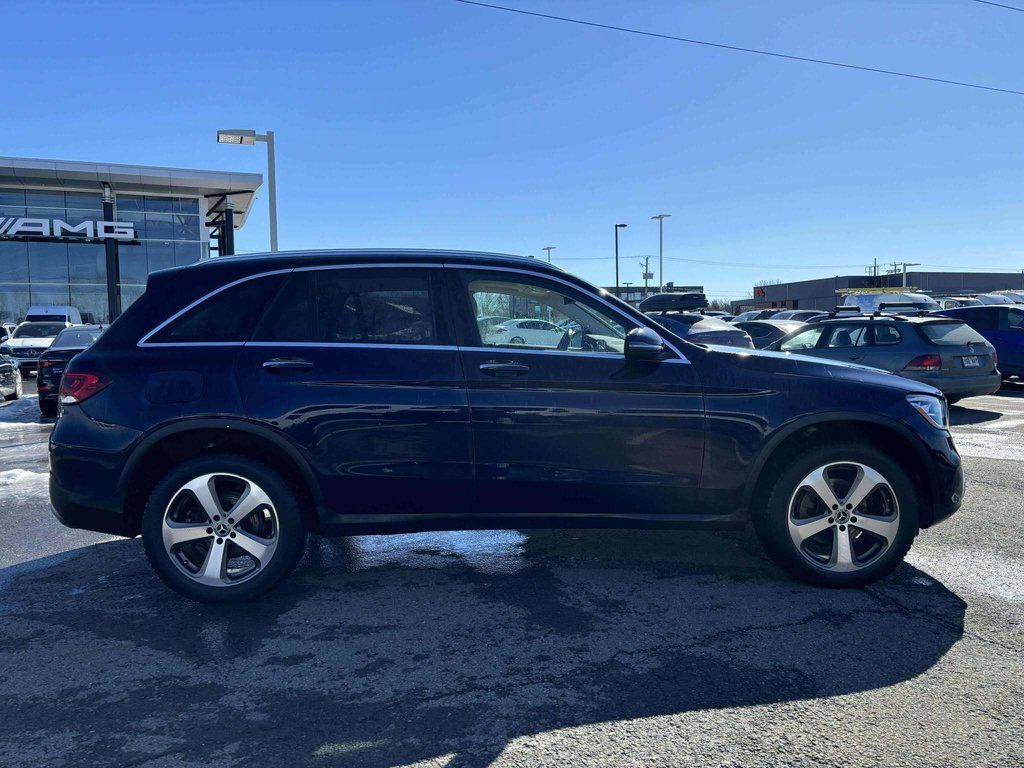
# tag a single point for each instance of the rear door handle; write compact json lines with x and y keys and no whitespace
{"x":284,"y":364}
{"x":503,"y":368}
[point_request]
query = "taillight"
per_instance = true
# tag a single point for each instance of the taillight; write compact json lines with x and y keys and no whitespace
{"x":76,"y":387}
{"x":925,"y":363}
{"x":47,"y":364}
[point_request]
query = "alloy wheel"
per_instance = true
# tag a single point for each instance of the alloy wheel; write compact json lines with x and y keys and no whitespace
{"x":220,"y":529}
{"x":843,"y":517}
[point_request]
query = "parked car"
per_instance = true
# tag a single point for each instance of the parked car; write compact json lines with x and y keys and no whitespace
{"x":765,"y":332}
{"x":952,"y":302}
{"x":1003,"y":328}
{"x":1017,"y":297}
{"x":703,"y":330}
{"x":947,"y":354}
{"x":872,"y":302}
{"x":529,"y":332}
{"x":29,"y":341}
{"x":10,"y":378}
{"x":994,"y":298}
{"x":690,"y":301}
{"x":222,"y":434}
{"x":801,"y":315}
{"x":755,"y":314}
{"x":52,"y":362}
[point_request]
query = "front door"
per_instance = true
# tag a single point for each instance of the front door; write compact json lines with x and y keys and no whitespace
{"x":356,"y":367}
{"x":563,"y":425}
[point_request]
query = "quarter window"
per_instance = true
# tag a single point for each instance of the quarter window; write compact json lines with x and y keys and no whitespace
{"x":227,"y":316}
{"x":541,"y":316}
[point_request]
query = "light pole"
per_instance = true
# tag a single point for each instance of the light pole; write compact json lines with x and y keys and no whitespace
{"x":617,"y":228}
{"x":249,"y":137}
{"x":661,"y":248}
{"x":549,"y":249}
{"x":905,"y":265}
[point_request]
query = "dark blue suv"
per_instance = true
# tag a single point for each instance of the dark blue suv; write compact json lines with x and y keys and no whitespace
{"x":244,"y":401}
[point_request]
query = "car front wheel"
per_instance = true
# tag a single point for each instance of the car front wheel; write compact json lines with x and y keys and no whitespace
{"x":839,"y":516}
{"x":18,"y":388}
{"x":222,"y":528}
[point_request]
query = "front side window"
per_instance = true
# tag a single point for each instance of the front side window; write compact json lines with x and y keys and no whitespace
{"x":802,"y":341}
{"x":226,"y":317}
{"x":353,"y":306}
{"x":842,"y":336}
{"x":542,"y":316}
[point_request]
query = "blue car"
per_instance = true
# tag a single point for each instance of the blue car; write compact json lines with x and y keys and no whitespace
{"x":1003,"y":327}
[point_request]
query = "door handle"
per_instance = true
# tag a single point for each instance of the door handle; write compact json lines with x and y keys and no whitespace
{"x":283,"y":364}
{"x":498,"y":368}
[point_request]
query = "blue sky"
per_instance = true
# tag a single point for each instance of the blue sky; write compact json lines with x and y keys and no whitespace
{"x":432,"y":123}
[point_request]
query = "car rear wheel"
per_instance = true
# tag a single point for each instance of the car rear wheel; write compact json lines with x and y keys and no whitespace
{"x":222,"y":528}
{"x":839,"y":516}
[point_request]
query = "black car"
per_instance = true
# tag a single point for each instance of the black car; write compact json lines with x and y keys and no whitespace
{"x":243,"y":401}
{"x":701,"y":329}
{"x":68,"y":343}
{"x":766,"y":332}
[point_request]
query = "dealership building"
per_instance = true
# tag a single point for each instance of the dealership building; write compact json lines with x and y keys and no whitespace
{"x":826,"y":293}
{"x":87,"y":235}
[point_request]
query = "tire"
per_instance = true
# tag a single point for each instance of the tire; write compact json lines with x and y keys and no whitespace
{"x":16,"y":394}
{"x":517,"y":340}
{"x":272,"y":526}
{"x":891,"y":510}
{"x":47,"y":408}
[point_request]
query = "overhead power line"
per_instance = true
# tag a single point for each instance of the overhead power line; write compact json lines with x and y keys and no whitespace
{"x":1000,"y":5}
{"x":724,"y":46}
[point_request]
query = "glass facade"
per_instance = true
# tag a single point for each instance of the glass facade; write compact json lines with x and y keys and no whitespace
{"x":169,"y":230}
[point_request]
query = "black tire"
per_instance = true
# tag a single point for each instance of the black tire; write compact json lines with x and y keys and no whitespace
{"x":517,"y":340}
{"x":771,"y":519}
{"x":291,"y":533}
{"x":47,"y":408}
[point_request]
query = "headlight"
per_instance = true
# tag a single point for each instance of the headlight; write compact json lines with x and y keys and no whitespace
{"x":932,"y":408}
{"x":5,"y":350}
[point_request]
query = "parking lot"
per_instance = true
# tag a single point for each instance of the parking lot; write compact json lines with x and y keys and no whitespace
{"x":520,"y":648}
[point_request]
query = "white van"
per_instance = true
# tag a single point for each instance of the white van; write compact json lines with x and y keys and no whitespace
{"x":53,"y":313}
{"x":869,"y":302}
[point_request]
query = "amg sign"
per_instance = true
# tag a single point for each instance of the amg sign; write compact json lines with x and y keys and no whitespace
{"x":15,"y":226}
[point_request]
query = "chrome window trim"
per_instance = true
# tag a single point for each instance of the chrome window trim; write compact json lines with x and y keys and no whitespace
{"x":631,"y":320}
{"x":350,"y":345}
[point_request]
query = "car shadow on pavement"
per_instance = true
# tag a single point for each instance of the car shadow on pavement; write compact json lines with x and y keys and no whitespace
{"x":436,"y":647}
{"x":960,"y":416}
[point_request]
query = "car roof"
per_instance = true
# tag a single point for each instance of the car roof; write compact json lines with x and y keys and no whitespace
{"x":884,"y":318}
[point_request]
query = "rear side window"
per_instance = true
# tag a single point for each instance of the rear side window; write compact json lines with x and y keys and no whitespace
{"x":887,"y":334}
{"x":228,"y":316}
{"x":847,"y":336}
{"x":980,"y":317}
{"x":353,"y":306}
{"x":951,"y":334}
{"x":1015,"y":318}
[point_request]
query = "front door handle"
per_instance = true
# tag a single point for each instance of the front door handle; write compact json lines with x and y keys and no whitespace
{"x":284,"y":364}
{"x":503,"y":368}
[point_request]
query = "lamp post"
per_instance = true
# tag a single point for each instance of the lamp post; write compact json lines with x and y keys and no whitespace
{"x":249,"y":137}
{"x":617,"y":228}
{"x":661,"y":248}
{"x":549,"y":249}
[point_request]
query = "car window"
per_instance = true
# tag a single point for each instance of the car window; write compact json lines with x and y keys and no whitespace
{"x":887,"y":334}
{"x":228,"y":316}
{"x":37,"y":330}
{"x":557,"y":318}
{"x":756,"y":330}
{"x":804,"y":340}
{"x":953,"y":333}
{"x":73,"y":339}
{"x":980,"y":317}
{"x":353,"y":306}
{"x":1015,"y":318}
{"x":847,"y":335}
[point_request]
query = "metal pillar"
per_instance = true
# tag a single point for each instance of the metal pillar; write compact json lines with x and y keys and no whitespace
{"x":113,"y":263}
{"x":228,"y":241}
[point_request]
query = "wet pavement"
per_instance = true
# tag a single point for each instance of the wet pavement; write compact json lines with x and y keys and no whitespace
{"x":519,"y":648}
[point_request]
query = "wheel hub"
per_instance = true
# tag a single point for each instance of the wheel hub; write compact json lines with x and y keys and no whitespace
{"x":842,"y":516}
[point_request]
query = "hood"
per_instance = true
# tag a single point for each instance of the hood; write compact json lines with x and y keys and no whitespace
{"x":788,"y":364}
{"x":45,"y":341}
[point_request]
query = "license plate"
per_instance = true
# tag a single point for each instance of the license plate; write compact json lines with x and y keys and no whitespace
{"x":971,"y":361}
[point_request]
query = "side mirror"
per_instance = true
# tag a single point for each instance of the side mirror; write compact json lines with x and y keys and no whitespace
{"x":644,"y":344}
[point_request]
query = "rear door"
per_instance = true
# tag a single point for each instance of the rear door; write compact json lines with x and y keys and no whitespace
{"x":566,"y":426}
{"x":355,"y":365}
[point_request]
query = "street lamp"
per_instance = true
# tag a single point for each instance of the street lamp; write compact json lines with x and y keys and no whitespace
{"x":549,"y":249}
{"x":248,"y":137}
{"x":661,"y":248}
{"x":617,"y":228}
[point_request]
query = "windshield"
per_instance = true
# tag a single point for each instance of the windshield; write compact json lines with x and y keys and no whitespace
{"x":37,"y":330}
{"x":73,"y":338}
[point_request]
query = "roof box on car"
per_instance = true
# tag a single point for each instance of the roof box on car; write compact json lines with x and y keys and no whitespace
{"x":673,"y":302}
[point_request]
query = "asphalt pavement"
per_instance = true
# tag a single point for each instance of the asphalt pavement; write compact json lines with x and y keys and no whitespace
{"x":512,"y":648}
